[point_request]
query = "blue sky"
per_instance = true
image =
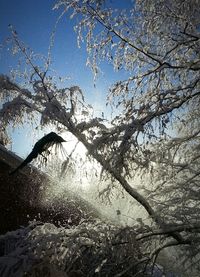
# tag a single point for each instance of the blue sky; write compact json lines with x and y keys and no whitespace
{"x":34,"y":22}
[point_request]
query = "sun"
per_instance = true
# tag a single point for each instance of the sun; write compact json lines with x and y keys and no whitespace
{"x":73,"y":147}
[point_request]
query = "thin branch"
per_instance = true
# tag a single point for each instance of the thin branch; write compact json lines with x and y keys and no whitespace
{"x":35,"y":68}
{"x":117,"y":34}
{"x":183,"y":228}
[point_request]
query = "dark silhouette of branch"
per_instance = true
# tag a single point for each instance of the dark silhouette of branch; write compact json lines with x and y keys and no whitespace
{"x":41,"y":146}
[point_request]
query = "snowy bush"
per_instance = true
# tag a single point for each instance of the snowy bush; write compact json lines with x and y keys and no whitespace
{"x":91,"y":248}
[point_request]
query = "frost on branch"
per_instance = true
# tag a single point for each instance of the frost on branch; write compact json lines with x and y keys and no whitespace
{"x":4,"y":137}
{"x":14,"y":110}
{"x":159,"y":51}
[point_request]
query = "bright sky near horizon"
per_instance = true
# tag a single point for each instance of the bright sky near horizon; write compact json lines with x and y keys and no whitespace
{"x":34,"y":22}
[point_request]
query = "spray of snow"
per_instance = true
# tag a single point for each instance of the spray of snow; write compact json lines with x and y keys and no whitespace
{"x":81,"y":176}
